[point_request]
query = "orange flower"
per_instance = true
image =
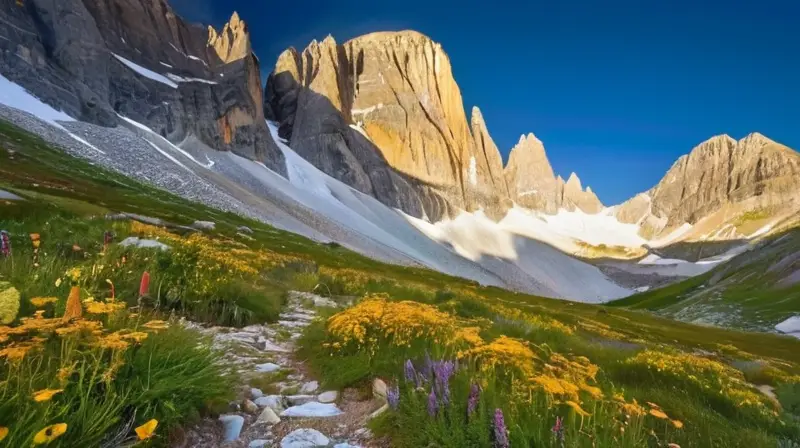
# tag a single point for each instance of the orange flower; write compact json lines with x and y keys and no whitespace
{"x":3,"y":433}
{"x":156,"y":325}
{"x":45,"y":394}
{"x":146,"y":431}
{"x":677,"y":423}
{"x":657,"y":413}
{"x":74,"y":309}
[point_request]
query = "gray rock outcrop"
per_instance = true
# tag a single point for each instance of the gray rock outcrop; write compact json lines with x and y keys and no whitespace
{"x":95,"y":59}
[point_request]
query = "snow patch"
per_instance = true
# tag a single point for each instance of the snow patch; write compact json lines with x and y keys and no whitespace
{"x":762,"y":230}
{"x":790,"y":326}
{"x":177,"y":78}
{"x":13,"y":95}
{"x":146,"y":72}
{"x":165,"y":64}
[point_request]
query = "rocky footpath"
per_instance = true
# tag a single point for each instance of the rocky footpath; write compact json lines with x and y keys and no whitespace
{"x":278,"y":404}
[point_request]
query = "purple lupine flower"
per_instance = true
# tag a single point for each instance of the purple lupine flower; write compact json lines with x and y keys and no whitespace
{"x":411,"y":373}
{"x":5,"y":244}
{"x":443,"y":370}
{"x":393,"y":396}
{"x":558,"y":430}
{"x":433,"y":404}
{"x":500,"y":431}
{"x":474,"y":395}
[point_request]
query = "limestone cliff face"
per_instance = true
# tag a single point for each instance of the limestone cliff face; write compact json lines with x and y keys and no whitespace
{"x":532,"y":183}
{"x":753,"y":173}
{"x":383,"y":113}
{"x":86,"y":57}
{"x":486,"y":185}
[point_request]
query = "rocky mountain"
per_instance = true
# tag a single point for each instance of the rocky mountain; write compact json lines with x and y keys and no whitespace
{"x":94,"y":59}
{"x":723,"y":182}
{"x":384,"y":114}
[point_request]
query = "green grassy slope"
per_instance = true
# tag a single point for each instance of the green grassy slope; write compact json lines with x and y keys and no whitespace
{"x":66,"y":198}
{"x":753,"y":291}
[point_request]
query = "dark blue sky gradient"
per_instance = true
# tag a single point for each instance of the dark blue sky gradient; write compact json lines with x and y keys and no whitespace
{"x":616,"y":90}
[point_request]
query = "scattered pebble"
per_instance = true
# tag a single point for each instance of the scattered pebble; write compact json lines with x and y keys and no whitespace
{"x":231,"y":426}
{"x":379,"y":388}
{"x":273,"y":402}
{"x":249,"y":407}
{"x":267,"y":367}
{"x":328,"y":397}
{"x":268,"y":417}
{"x":256,"y":392}
{"x":309,"y":387}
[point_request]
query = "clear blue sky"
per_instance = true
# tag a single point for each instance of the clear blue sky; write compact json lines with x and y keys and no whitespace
{"x":616,"y":90}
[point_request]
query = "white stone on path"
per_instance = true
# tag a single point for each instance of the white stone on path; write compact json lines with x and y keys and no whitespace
{"x":272,"y":347}
{"x":273,"y":402}
{"x":259,"y":443}
{"x":328,"y":397}
{"x":293,"y":323}
{"x":231,"y":426}
{"x":268,"y":417}
{"x":312,"y":409}
{"x":304,"y":438}
{"x":309,"y":387}
{"x":267,"y":367}
{"x":256,"y":392}
{"x":345,"y":445}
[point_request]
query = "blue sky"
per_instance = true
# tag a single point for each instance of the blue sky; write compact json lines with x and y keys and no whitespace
{"x":616,"y":90}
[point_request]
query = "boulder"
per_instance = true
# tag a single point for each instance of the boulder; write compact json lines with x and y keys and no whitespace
{"x":304,"y":438}
{"x":231,"y":427}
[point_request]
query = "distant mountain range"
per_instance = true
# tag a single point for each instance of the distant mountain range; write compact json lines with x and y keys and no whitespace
{"x":383,"y":115}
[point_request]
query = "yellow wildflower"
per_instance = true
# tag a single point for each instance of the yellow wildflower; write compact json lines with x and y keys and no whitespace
{"x":58,"y":282}
{"x":50,"y":433}
{"x":677,"y":423}
{"x":45,"y":394}
{"x":577,"y":408}
{"x":112,"y":341}
{"x":657,"y":413}
{"x":137,"y":336}
{"x":147,"y":430}
{"x":156,"y":325}
{"x":3,"y":433}
{"x":40,"y":302}
{"x":103,"y":308}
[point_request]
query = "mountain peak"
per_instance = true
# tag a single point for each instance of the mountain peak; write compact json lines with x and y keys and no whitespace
{"x":574,"y":181}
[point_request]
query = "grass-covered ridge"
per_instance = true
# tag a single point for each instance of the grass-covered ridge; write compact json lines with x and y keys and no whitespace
{"x":754,"y":291}
{"x":601,"y":369}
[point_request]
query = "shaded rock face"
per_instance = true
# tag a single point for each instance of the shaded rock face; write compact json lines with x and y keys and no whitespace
{"x":383,"y":113}
{"x":63,"y":51}
{"x":755,"y":172}
{"x":532,"y":183}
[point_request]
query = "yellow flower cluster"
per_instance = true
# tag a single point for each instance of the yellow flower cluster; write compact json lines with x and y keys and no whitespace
{"x":504,"y":352}
{"x":398,"y":323}
{"x":705,"y":374}
{"x":601,"y":329}
{"x":41,"y":302}
{"x":535,"y":320}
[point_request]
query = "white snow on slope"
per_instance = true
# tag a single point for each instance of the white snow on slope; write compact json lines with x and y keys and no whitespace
{"x":476,"y":237}
{"x":177,"y":78}
{"x":176,"y":148}
{"x":14,"y":95}
{"x":790,"y":326}
{"x":147,"y":73}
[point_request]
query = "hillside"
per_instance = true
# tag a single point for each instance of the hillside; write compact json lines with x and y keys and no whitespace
{"x":54,"y":194}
